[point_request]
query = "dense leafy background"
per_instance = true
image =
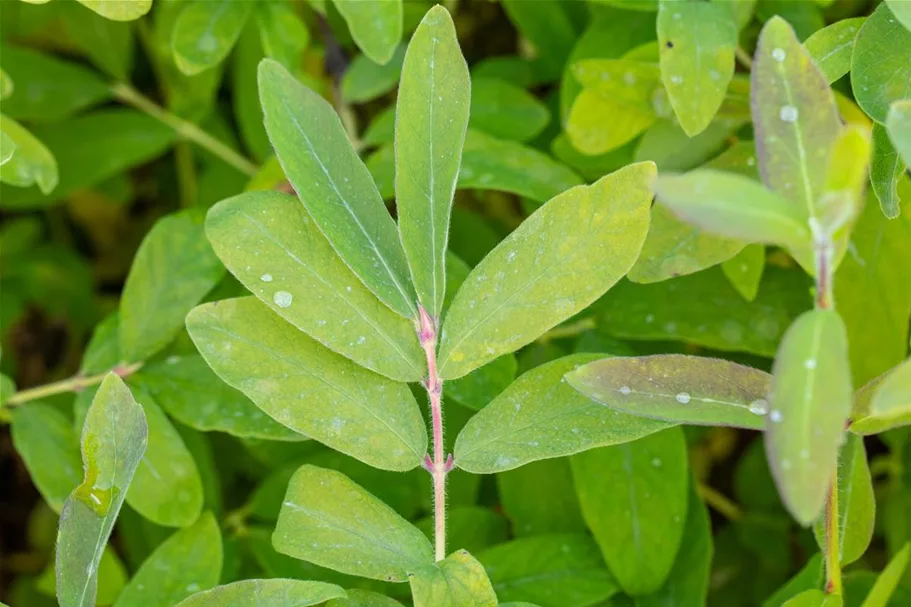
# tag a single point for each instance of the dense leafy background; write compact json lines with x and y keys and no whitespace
{"x":105,"y":251}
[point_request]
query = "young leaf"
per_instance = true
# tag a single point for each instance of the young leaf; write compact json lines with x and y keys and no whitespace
{"x":505,"y":110}
{"x":275,"y":593}
{"x":206,"y":31}
{"x":810,"y":401}
{"x":334,"y":184}
{"x":880,"y":70}
{"x":298,"y":274}
{"x":898,"y":123}
{"x":342,"y":527}
{"x":540,"y":416}
{"x":375,"y":26}
{"x":856,"y":503}
{"x":842,"y":198}
{"x":696,"y":41}
{"x":529,"y":284}
{"x":554,"y":570}
{"x":634,"y":499}
{"x":832,"y":46}
{"x":794,"y":116}
{"x":744,"y":270}
{"x":882,"y":404}
{"x":118,"y":10}
{"x":457,"y":581}
{"x":43,"y":437}
{"x":188,"y":561}
{"x":27,"y":161}
{"x":886,"y":169}
{"x":307,"y":387}
{"x":679,"y":389}
{"x":735,"y":206}
{"x":889,"y":579}
{"x":113,"y":442}
{"x":173,"y":269}
{"x":430,"y":125}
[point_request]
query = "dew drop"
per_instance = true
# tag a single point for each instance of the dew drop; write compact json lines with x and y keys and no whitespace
{"x":629,"y":78}
{"x":775,"y":415}
{"x":624,"y":390}
{"x":810,"y":363}
{"x":751,"y":161}
{"x":714,"y":74}
{"x":779,"y":55}
{"x":656,"y":462}
{"x":785,"y":464}
{"x":759,"y":406}
{"x":266,"y":278}
{"x":282,"y":299}
{"x":677,"y":79}
{"x":788,"y":113}
{"x":683,"y":398}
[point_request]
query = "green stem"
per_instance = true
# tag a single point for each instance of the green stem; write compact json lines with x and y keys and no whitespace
{"x":73,"y":384}
{"x":833,"y":556}
{"x":720,"y":502}
{"x":189,"y":131}
{"x":743,"y":57}
{"x":568,"y":330}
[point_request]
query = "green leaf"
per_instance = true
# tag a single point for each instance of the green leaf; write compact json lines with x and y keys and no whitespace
{"x":188,"y":561}
{"x":48,"y":89}
{"x":248,"y":113}
{"x":530,"y":283}
{"x":886,"y":170}
{"x":898,"y":123}
{"x":832,"y":46}
{"x":881,"y":405}
{"x":205,"y":32}
{"x":364,"y":80}
{"x":166,"y":488}
{"x":298,"y":274}
{"x":505,"y":110}
{"x":482,"y":385}
{"x":546,"y":24}
{"x":856,"y":503}
{"x":810,"y":401}
{"x":557,"y":570}
{"x":6,"y":85}
{"x":113,"y":442}
{"x":190,"y":392}
{"x":344,"y":528}
{"x":108,"y":44}
{"x":284,"y":35}
{"x":90,"y":149}
{"x":744,"y":270}
{"x":539,"y":498}
{"x":375,"y":26}
{"x":889,"y":579}
{"x":696,"y":42}
{"x":667,"y":145}
{"x":901,"y":11}
{"x":275,"y":593}
{"x":362,"y":598}
{"x":173,"y":269}
{"x":811,"y":576}
{"x":688,"y":581}
{"x":634,"y":499}
{"x":794,"y":116}
{"x":457,"y":581}
{"x":678,"y":389}
{"x":26,"y":160}
{"x":735,"y":206}
{"x":880,"y":70}
{"x":431,"y":120}
{"x":540,"y":416}
{"x":813,"y":598}
{"x":308,"y":388}
{"x":334,"y":184}
{"x":118,"y":10}
{"x":43,"y":437}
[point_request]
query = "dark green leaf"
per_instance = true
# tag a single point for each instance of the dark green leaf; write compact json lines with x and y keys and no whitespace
{"x":108,"y":44}
{"x":505,"y":110}
{"x":539,"y":498}
{"x":206,"y":31}
{"x":375,"y":26}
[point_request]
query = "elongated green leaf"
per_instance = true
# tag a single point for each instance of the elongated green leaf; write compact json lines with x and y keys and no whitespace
{"x":334,"y":185}
{"x":275,"y":593}
{"x":886,"y":169}
{"x":166,"y":488}
{"x":882,"y":404}
{"x":744,"y":270}
{"x":529,"y":283}
{"x":113,"y":442}
{"x":206,"y":31}
{"x":108,"y":43}
{"x":539,"y":498}
{"x":457,"y":581}
{"x":634,"y":499}
{"x":344,"y":528}
{"x":43,"y":437}
{"x":898,"y":122}
{"x":188,"y":561}
{"x":794,"y":116}
{"x":735,"y":206}
{"x":832,"y":46}
{"x":48,"y":89}
{"x":810,"y":402}
{"x":322,"y":297}
{"x":431,"y":121}
{"x":880,"y":70}
{"x":375,"y":26}
{"x":856,"y":503}
{"x":26,"y":161}
{"x":364,"y":80}
{"x":173,"y":269}
{"x":308,"y":388}
{"x":677,"y":388}
{"x":505,"y":110}
{"x":555,"y":570}
{"x":696,"y":42}
{"x":119,"y":10}
{"x":540,"y":416}
{"x":189,"y":391}
{"x":889,"y":579}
